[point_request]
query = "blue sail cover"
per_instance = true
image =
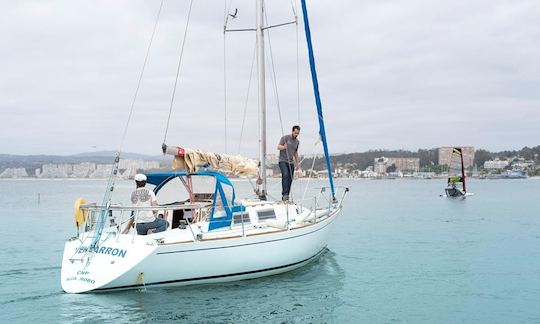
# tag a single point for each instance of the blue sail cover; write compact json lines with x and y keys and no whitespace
{"x":322,"y":131}
{"x":220,"y":198}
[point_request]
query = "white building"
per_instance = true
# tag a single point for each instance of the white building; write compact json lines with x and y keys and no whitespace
{"x":14,"y":173}
{"x":496,"y":164}
{"x":56,"y":170}
{"x":341,"y":172}
{"x":138,"y":164}
{"x":401,"y":163}
{"x":521,"y":163}
{"x":380,"y":165}
{"x":83,"y":170}
{"x":102,"y":171}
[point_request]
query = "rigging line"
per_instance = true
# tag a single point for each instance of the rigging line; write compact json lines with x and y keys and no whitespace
{"x":178,"y":71}
{"x":140,"y":77}
{"x":273,"y":76}
{"x":226,"y":20}
{"x":247,"y":99}
{"x":114,"y":170}
{"x":294,"y":5}
{"x":274,"y":83}
{"x":297,"y":63}
{"x":253,"y":186}
{"x":310,"y":173}
{"x":226,"y":14}
{"x":225,"y":82}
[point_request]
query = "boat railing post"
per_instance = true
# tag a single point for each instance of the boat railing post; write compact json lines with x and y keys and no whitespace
{"x":242,"y":217}
{"x":287,"y":212}
{"x":135,"y":212}
{"x":319,"y":197}
{"x":314,"y":208}
{"x":190,"y":229}
{"x":119,"y":225}
{"x":330,"y":201}
{"x":345,"y":191}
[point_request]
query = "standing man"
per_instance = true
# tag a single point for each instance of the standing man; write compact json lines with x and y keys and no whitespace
{"x":288,"y":160}
{"x":146,"y":219}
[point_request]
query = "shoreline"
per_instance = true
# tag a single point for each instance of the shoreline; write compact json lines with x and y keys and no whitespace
{"x":272,"y":178}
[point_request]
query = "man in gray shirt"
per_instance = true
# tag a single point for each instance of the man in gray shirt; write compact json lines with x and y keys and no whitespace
{"x":288,"y":160}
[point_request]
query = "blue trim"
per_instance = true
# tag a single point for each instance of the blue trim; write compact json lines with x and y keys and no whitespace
{"x":221,"y":221}
{"x":322,"y":131}
{"x":238,"y":209}
{"x":158,"y":179}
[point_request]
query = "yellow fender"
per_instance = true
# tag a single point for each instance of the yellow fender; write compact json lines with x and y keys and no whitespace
{"x":79,"y":213}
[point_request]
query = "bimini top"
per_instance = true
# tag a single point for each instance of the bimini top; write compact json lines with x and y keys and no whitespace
{"x":223,"y":205}
{"x":160,"y":179}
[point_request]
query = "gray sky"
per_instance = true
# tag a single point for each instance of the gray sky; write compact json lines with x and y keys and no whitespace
{"x":393,"y":74}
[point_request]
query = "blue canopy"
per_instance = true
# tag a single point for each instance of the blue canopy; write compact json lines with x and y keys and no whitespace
{"x":160,"y":179}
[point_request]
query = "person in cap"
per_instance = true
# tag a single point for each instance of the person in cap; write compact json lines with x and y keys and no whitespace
{"x":146,"y":219}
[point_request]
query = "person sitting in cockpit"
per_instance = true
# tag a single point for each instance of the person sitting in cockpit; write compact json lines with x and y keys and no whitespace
{"x":146,"y":219}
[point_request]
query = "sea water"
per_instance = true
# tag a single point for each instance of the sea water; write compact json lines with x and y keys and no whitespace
{"x":398,"y":253}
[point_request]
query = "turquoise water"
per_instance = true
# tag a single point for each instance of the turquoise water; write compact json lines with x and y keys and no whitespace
{"x":399,"y":253}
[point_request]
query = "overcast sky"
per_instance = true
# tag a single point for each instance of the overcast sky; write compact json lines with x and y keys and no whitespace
{"x":403,"y":74}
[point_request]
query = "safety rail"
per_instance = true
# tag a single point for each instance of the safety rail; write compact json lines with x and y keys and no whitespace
{"x":159,"y":207}
{"x":317,"y":201}
{"x":118,"y":215}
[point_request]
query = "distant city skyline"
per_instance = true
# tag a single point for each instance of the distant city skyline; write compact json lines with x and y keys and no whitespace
{"x":379,"y":166}
{"x":392,"y":75}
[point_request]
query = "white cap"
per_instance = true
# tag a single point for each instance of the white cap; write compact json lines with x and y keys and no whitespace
{"x":140,"y":177}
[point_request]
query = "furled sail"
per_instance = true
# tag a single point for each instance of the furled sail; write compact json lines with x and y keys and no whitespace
{"x":192,"y":160}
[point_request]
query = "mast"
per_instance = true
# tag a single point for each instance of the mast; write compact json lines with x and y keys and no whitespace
{"x":462,"y":169}
{"x":261,"y":190}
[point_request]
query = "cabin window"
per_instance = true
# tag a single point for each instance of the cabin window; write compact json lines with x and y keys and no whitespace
{"x":266,"y":214}
{"x":239,"y":217}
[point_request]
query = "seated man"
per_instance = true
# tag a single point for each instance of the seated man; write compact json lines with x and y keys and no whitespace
{"x":146,"y":219}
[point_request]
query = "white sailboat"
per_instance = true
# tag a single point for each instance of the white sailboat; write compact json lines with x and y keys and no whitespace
{"x":213,"y":235}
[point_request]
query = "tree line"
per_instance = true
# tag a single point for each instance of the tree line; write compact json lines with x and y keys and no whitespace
{"x":429,"y":158}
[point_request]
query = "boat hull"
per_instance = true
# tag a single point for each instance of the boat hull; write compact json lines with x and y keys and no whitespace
{"x":468,"y":194}
{"x":147,"y":263}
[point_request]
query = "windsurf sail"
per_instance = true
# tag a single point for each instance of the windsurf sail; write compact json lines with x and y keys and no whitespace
{"x":456,"y":172}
